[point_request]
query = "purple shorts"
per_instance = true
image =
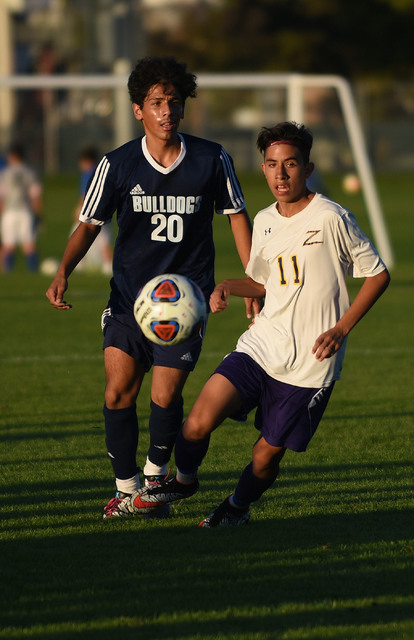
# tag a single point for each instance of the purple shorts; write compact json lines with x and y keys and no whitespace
{"x":286,"y":416}
{"x":121,"y":331}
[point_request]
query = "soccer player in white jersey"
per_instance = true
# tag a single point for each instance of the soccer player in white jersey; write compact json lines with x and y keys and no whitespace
{"x":165,"y":187}
{"x":286,"y":364}
{"x":20,"y":208}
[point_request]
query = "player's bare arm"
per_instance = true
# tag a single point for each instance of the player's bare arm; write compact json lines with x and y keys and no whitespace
{"x":330,"y":341}
{"x":242,"y":231}
{"x":78,"y":245}
{"x":241,"y":287}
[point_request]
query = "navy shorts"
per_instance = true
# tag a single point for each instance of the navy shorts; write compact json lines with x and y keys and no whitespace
{"x":121,"y":331}
{"x":286,"y":415}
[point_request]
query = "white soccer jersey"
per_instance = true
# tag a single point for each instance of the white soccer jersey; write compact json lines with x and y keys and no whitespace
{"x":18,"y":184}
{"x":303,"y":262}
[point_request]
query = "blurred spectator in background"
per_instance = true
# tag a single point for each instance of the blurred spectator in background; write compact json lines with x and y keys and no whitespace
{"x":49,"y":63}
{"x":20,"y":208}
{"x":101,"y":251}
{"x":39,"y":110}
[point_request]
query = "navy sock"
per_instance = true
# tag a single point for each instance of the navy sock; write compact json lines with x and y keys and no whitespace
{"x":8,"y":262}
{"x":121,"y":428}
{"x":32,"y":262}
{"x":164,"y":424}
{"x":250,"y":487}
{"x":189,"y":454}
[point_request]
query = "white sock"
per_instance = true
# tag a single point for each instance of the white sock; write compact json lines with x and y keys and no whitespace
{"x":152,"y":469}
{"x":131,"y":485}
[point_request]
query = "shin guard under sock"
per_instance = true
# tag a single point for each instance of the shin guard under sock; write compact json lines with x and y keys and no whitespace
{"x":121,"y":428}
{"x":250,"y":487}
{"x":164,"y":424}
{"x":189,"y":454}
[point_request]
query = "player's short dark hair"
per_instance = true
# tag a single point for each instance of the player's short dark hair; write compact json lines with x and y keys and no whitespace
{"x":16,"y":149}
{"x":296,"y":134}
{"x":166,"y":71}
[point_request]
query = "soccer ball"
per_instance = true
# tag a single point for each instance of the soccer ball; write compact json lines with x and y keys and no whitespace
{"x":169,"y":309}
{"x":49,"y":266}
{"x":351,"y":183}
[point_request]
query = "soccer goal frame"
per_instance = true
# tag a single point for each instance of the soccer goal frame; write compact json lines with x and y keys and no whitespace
{"x":293,"y":83}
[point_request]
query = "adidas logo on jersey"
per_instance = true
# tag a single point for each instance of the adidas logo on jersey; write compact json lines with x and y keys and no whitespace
{"x":137,"y":190}
{"x":187,"y":357}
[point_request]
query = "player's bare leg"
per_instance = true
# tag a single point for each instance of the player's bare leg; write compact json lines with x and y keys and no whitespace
{"x":266,"y":459}
{"x":167,"y":385}
{"x":217,"y":401}
{"x":124,"y":377}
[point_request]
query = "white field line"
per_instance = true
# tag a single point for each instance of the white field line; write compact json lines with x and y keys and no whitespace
{"x":207,"y":354}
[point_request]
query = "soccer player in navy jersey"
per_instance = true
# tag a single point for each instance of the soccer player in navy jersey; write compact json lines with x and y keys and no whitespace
{"x":164,"y":187}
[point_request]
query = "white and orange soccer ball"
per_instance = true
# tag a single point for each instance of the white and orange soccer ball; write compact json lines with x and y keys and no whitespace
{"x":169,"y":309}
{"x":351,"y":183}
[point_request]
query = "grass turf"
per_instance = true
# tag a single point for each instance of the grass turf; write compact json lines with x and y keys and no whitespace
{"x":328,"y":552}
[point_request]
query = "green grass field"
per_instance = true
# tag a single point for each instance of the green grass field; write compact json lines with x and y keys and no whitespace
{"x":329,"y":550}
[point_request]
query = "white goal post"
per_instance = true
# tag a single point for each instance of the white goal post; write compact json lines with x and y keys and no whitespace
{"x":293,"y":83}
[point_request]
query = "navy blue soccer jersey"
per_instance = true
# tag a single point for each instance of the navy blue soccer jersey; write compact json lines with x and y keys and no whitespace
{"x":164,"y":215}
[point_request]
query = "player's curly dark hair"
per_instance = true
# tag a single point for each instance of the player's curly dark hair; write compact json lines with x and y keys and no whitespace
{"x":166,"y":71}
{"x":297,"y":134}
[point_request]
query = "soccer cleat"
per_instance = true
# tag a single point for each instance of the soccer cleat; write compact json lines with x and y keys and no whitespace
{"x":225,"y":515}
{"x":163,"y":511}
{"x":162,"y":493}
{"x":111,"y":510}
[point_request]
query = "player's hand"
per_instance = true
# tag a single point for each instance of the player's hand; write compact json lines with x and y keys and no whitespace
{"x":218,"y":299}
{"x":56,"y":292}
{"x":328,"y":343}
{"x":253,"y":307}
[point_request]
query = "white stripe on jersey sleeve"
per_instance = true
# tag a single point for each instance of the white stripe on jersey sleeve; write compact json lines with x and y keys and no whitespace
{"x":232,"y":184}
{"x":94,"y":193}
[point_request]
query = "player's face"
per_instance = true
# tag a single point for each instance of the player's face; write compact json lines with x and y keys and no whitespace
{"x":161,"y":112}
{"x":286,"y":173}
